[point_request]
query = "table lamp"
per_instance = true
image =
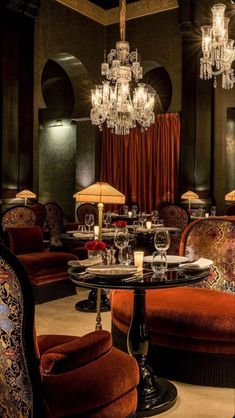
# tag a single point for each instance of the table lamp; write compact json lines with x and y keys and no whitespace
{"x":26,"y":194}
{"x":100,"y":193}
{"x":189,"y":196}
{"x":230,"y":196}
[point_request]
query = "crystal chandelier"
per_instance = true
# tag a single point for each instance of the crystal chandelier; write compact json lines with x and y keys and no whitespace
{"x":218,"y":50}
{"x":114,"y":101}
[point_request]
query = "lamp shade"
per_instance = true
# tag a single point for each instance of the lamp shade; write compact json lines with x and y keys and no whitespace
{"x":230,"y":196}
{"x":26,"y":194}
{"x":100,"y":193}
{"x":189,"y":195}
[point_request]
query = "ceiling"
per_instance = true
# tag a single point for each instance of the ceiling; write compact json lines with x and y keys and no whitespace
{"x":106,"y":12}
{"x":110,"y":4}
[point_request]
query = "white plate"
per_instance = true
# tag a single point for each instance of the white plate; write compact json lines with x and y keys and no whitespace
{"x":112,"y":271}
{"x":171,"y":259}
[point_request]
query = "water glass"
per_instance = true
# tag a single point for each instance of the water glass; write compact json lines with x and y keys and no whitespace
{"x":142,"y":218}
{"x":125,"y":210}
{"x":213,"y":210}
{"x":160,"y":222}
{"x":159,"y":264}
{"x":154,"y":216}
{"x":107,"y":219}
{"x":82,"y":228}
{"x":121,"y":240}
{"x":127,"y":256}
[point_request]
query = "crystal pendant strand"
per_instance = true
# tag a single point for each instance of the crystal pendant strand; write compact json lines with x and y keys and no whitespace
{"x":113,"y":101}
{"x":218,"y":50}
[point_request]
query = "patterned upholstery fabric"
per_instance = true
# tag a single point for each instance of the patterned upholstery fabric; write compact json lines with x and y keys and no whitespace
{"x":229,"y":210}
{"x":177,"y":217}
{"x":54,"y":220}
{"x":85,"y":208}
{"x":16,"y":396}
{"x":214,"y":239}
{"x":18,"y":216}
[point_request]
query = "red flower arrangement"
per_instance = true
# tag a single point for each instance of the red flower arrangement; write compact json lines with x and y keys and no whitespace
{"x":120,"y":224}
{"x":95,"y":245}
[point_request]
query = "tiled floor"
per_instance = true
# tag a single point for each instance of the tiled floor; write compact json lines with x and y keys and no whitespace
{"x":61,"y":317}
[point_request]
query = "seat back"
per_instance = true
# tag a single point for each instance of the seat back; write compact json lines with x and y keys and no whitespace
{"x":40,"y":212}
{"x":54,"y":220}
{"x":85,"y":208}
{"x":212,"y":238}
{"x":229,"y":210}
{"x":20,"y":378}
{"x":17,"y":216}
{"x":24,"y":239}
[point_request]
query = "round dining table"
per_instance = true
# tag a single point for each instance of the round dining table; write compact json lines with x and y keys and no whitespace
{"x":155,"y":394}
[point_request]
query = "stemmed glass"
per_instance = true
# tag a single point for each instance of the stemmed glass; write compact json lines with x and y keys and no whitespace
{"x":162,"y":244}
{"x":142,"y":218}
{"x":121,"y":240}
{"x":107,"y":219}
{"x":159,"y":264}
{"x":89,"y":221}
{"x":127,"y":255}
{"x":154,"y":216}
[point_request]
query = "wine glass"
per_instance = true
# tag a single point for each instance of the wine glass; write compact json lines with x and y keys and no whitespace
{"x":159,"y":264}
{"x":121,"y":240}
{"x":213,"y":210}
{"x":127,"y":255}
{"x":89,"y":221}
{"x":154,"y":216}
{"x":134,"y":209}
{"x":107,"y":219}
{"x":161,"y":240}
{"x":142,"y":218}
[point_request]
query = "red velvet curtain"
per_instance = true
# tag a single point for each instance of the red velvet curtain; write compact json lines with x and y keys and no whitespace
{"x":144,"y":165}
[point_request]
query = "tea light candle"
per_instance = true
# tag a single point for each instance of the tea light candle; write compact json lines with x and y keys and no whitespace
{"x":130,"y":214}
{"x":138,"y":259}
{"x":148,"y":224}
{"x":206,"y":215}
{"x":96,"y":231}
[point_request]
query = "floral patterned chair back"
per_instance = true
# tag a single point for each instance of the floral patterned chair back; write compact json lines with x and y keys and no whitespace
{"x":17,"y":216}
{"x":177,"y":217}
{"x":213,"y":239}
{"x":54,"y":221}
{"x":85,"y":208}
{"x":20,"y":380}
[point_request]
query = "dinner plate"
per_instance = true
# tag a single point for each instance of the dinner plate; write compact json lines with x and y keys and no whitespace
{"x":171,"y":259}
{"x":112,"y":271}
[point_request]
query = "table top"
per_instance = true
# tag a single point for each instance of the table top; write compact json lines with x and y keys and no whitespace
{"x":173,"y":278}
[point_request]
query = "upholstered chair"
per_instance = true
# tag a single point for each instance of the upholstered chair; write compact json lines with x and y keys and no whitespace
{"x":17,"y":216}
{"x":191,"y":329}
{"x":177,"y":217}
{"x":229,"y":210}
{"x":55,"y":223}
{"x":47,"y":270}
{"x":84,"y":209}
{"x":56,"y":376}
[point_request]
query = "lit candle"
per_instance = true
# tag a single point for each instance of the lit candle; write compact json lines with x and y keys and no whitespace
{"x":96,"y":231}
{"x":130,"y":214}
{"x":138,"y":259}
{"x":148,"y":224}
{"x":206,"y":215}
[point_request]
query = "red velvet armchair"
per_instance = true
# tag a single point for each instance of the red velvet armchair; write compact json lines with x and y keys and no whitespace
{"x":47,"y":270}
{"x":56,"y":376}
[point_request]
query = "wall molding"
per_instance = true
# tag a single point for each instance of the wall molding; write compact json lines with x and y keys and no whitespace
{"x":111,"y":16}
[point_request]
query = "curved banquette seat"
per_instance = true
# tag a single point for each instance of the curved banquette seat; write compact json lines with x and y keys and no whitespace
{"x":191,"y":329}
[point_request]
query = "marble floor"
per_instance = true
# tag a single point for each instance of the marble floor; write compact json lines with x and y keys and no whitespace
{"x":60,"y":317}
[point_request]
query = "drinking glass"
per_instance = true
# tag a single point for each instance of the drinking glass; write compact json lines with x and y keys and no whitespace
{"x":121,"y":240}
{"x":107,"y":219}
{"x":213,"y":210}
{"x":134,"y":209}
{"x":159,"y":264}
{"x":161,"y":240}
{"x":142,"y":218}
{"x":135,"y":225}
{"x":82,"y":228}
{"x":127,"y":256}
{"x":160,"y":222}
{"x":125,"y":210}
{"x":154,"y":216}
{"x":89,"y":221}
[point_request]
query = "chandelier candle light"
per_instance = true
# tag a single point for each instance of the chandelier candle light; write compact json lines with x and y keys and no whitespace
{"x":218,"y":50}
{"x":113,"y":101}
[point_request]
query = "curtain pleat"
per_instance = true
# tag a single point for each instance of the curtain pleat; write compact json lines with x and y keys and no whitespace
{"x":144,"y":165}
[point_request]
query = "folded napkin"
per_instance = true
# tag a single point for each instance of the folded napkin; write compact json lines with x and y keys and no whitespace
{"x":83,"y":235}
{"x":88,"y":262}
{"x":200,"y":264}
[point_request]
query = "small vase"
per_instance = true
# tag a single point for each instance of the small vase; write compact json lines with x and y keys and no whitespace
{"x":94,"y":254}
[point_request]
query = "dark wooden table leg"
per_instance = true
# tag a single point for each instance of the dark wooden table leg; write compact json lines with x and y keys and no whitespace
{"x":155,"y":394}
{"x":90,"y":304}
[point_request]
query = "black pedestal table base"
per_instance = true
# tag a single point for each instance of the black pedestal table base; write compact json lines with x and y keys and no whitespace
{"x":90,"y":304}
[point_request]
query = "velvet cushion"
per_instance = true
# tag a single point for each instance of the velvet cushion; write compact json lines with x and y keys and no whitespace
{"x":75,"y":352}
{"x":94,"y":385}
{"x":184,"y":316}
{"x":46,"y":265}
{"x":25,"y":239}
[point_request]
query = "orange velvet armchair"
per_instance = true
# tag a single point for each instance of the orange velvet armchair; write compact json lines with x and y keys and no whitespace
{"x":56,"y":376}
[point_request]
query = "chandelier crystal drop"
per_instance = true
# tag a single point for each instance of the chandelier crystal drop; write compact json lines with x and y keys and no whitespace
{"x":218,"y":50}
{"x":114,"y":101}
